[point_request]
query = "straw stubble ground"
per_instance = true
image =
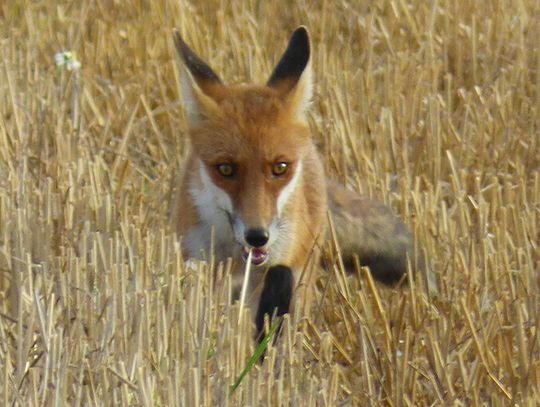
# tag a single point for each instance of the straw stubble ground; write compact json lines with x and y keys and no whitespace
{"x":432,"y":107}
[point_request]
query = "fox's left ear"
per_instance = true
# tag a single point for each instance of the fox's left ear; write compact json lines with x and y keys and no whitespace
{"x":292,"y":75}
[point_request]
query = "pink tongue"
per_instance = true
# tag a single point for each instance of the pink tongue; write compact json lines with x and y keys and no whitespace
{"x":257,"y":255}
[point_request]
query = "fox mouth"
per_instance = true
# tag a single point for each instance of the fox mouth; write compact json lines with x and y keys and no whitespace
{"x":259,"y":255}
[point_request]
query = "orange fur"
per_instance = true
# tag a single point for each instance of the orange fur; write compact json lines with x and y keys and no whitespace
{"x":253,"y":128}
{"x":250,"y":129}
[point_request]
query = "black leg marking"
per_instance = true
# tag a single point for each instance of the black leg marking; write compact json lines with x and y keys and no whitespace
{"x":275,"y":297}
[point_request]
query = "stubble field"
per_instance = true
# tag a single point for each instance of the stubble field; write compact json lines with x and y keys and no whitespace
{"x":430,"y":106}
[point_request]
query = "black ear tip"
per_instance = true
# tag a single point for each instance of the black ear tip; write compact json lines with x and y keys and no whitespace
{"x":300,"y":38}
{"x":302,"y":32}
{"x":293,"y":61}
{"x":176,"y":36}
{"x":179,"y":43}
{"x":198,"y":68}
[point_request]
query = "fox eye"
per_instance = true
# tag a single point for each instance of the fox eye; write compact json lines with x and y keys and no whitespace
{"x":226,"y":170}
{"x":280,"y":168}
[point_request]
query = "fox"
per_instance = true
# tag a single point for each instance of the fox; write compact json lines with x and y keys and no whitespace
{"x":253,"y":188}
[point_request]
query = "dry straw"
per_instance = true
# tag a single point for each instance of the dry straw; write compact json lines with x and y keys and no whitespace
{"x":430,"y":106}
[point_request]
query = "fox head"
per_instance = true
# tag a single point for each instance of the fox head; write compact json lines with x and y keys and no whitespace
{"x":250,"y":142}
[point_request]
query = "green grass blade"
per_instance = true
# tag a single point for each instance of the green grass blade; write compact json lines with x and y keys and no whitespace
{"x":256,"y":355}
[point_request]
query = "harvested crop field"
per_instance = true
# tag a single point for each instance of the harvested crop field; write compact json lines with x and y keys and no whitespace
{"x":430,"y":106}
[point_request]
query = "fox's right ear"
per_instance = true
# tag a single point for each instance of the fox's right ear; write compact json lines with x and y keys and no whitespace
{"x":200,"y":85}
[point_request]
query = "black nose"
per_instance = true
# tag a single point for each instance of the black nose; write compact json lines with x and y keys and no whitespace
{"x":256,"y":237}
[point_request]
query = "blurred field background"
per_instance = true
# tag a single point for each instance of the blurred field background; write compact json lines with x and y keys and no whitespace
{"x":431,"y":106}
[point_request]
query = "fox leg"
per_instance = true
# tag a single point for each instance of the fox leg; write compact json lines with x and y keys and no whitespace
{"x":287,"y":290}
{"x":276,"y":295}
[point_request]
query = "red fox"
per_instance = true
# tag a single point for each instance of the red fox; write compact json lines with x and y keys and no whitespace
{"x":253,"y":186}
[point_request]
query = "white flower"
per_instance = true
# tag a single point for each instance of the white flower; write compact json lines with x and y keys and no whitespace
{"x":67,"y":59}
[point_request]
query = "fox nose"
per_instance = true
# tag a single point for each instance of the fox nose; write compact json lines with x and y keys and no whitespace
{"x":256,"y":237}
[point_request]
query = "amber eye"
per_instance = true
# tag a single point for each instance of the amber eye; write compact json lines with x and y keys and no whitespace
{"x":280,"y":168}
{"x":226,"y":170}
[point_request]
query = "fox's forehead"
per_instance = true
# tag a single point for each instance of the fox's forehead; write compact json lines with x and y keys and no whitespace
{"x":252,"y":104}
{"x":254,"y":125}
